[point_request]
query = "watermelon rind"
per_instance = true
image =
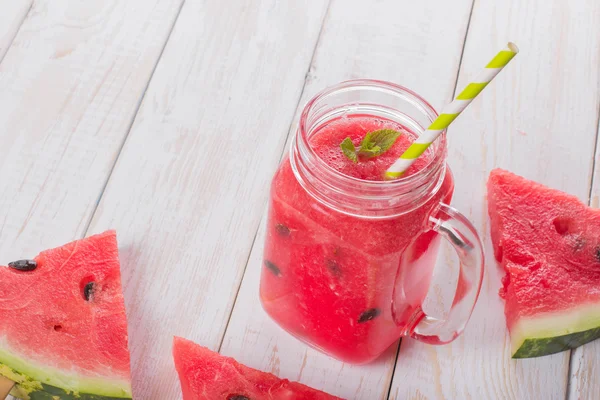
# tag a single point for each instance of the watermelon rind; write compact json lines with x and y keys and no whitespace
{"x":555,"y":332}
{"x":40,"y":382}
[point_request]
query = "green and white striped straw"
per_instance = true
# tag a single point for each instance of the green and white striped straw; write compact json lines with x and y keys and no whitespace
{"x":451,"y":111}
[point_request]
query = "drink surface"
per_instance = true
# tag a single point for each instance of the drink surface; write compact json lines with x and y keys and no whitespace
{"x":326,"y":143}
{"x":349,"y":286}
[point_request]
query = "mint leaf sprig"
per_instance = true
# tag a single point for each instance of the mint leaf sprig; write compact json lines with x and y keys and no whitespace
{"x":373,"y":144}
{"x":349,"y":150}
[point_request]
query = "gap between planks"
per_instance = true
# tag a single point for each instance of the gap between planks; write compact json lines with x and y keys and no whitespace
{"x":590,"y":204}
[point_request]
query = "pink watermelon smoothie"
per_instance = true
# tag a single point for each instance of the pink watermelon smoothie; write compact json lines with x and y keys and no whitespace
{"x":328,"y":277}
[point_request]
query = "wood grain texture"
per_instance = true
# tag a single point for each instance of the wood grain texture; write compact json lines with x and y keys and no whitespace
{"x":585,"y":370}
{"x":187,"y":192}
{"x":526,"y":121}
{"x":12,"y":14}
{"x":397,"y":42}
{"x":585,"y":360}
{"x":69,"y":87}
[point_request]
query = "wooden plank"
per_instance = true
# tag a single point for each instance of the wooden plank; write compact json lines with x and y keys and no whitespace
{"x":69,"y":87}
{"x":585,"y":369}
{"x":187,"y":192}
{"x":585,"y":360}
{"x":12,"y":14}
{"x":6,"y":385}
{"x":525,"y":121}
{"x":418,"y":46}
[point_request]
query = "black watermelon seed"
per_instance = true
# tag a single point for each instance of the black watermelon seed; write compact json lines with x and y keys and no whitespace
{"x":368,"y":315}
{"x":237,"y":397}
{"x":273,"y":268}
{"x":334,"y":267}
{"x":23,"y":265}
{"x":282,"y":230}
{"x":88,"y":291}
{"x":597,"y":254}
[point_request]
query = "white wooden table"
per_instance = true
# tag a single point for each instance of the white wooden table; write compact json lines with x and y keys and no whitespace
{"x":165,"y":120}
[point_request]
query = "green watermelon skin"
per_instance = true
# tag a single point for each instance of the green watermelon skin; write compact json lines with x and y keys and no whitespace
{"x":548,"y":243}
{"x":59,"y":344}
{"x":206,"y":375}
{"x":544,"y":346}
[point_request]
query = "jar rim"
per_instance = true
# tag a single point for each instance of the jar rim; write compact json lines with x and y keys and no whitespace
{"x":359,"y":197}
{"x":427,"y":109}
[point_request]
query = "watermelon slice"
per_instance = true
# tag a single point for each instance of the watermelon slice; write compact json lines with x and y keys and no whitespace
{"x":63,"y":329}
{"x":206,"y":375}
{"x":549,"y":245}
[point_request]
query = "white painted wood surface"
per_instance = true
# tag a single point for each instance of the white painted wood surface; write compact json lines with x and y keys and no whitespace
{"x":192,"y":165}
{"x":69,"y":88}
{"x":12,"y":14}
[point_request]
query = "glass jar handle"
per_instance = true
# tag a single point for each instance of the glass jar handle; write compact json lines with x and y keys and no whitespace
{"x":461,"y":234}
